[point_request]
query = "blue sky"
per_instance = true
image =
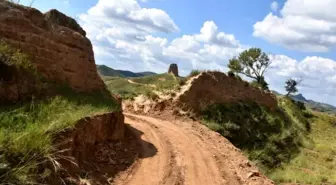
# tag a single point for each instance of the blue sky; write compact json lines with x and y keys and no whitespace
{"x":141,"y":35}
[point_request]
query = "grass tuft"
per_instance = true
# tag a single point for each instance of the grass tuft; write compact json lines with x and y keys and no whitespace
{"x":27,"y":129}
{"x":193,"y":73}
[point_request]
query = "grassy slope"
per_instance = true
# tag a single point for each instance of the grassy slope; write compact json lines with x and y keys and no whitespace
{"x":269,"y":137}
{"x":27,"y":128}
{"x":316,"y":162}
{"x":294,"y":146}
{"x":103,"y":70}
{"x":142,"y":85}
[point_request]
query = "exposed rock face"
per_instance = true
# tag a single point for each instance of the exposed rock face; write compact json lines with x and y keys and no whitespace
{"x":216,"y":87}
{"x":173,"y":69}
{"x":87,"y":133}
{"x":55,"y":43}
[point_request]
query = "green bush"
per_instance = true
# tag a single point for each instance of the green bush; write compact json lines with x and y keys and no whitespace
{"x":27,"y":129}
{"x":182,"y":82}
{"x":194,"y":73}
{"x":299,"y":104}
{"x":271,"y":137}
{"x":231,"y":74}
{"x":151,"y":95}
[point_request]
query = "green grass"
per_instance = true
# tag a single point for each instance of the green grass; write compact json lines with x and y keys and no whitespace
{"x":27,"y":129}
{"x":160,"y":81}
{"x":269,"y":137}
{"x":13,"y":57}
{"x":194,"y":72}
{"x":290,"y":145}
{"x":125,"y":89}
{"x":142,"y":85}
{"x":316,"y":162}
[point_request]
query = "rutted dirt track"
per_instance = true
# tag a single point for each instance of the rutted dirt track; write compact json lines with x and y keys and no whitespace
{"x":178,"y":152}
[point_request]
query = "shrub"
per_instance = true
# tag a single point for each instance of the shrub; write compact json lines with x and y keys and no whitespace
{"x":299,"y":104}
{"x":268,"y":135}
{"x":152,"y":95}
{"x":238,"y":78}
{"x":182,"y":82}
{"x":231,"y":74}
{"x":27,"y":144}
{"x":194,"y":73}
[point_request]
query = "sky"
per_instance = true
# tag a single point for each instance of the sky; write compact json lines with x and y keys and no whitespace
{"x":148,"y":35}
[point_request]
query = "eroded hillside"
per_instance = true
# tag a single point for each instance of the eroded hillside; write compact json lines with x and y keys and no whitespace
{"x":48,"y":85}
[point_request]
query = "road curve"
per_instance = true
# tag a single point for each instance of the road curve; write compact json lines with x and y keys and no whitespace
{"x":184,"y":153}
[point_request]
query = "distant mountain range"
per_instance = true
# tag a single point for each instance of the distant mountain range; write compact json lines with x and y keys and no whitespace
{"x":317,"y":106}
{"x":103,"y":70}
{"x":106,"y":71}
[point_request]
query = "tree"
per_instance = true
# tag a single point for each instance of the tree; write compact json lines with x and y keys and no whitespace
{"x":291,"y":86}
{"x":252,"y":63}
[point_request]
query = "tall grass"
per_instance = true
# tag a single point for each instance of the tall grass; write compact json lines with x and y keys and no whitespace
{"x":27,"y":130}
{"x":316,"y":162}
{"x":269,"y":137}
{"x":194,"y":72}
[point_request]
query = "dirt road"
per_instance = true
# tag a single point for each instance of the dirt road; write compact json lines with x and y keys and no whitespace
{"x":179,"y":152}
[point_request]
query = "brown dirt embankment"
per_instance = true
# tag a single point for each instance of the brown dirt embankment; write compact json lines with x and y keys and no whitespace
{"x":55,"y":44}
{"x":215,"y":87}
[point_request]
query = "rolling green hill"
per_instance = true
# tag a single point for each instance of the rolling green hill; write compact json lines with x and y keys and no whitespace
{"x":103,"y":70}
{"x":317,"y":106}
{"x":314,"y":105}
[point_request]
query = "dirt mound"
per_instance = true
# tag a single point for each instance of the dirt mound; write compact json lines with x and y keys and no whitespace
{"x":216,"y":87}
{"x":55,"y":44}
{"x":200,"y":91}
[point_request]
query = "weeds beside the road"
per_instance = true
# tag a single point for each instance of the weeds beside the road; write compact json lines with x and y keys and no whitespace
{"x":290,"y":145}
{"x":270,"y":137}
{"x":27,"y":129}
{"x":316,"y":162}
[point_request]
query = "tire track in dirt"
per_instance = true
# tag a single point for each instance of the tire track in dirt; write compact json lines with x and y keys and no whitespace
{"x":187,"y":154}
{"x":159,"y":169}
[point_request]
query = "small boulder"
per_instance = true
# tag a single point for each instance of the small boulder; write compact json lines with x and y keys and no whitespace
{"x":173,"y":69}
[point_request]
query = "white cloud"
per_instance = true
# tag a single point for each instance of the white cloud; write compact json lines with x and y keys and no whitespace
{"x":318,"y":74}
{"x":123,"y":37}
{"x":305,"y":25}
{"x":274,"y":6}
{"x":131,"y":43}
{"x":210,"y":34}
{"x":129,"y":13}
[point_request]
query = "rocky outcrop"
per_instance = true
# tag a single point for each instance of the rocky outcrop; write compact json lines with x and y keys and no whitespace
{"x":55,"y":44}
{"x":78,"y":143}
{"x":173,"y":69}
{"x":216,"y":87}
{"x":61,"y":19}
